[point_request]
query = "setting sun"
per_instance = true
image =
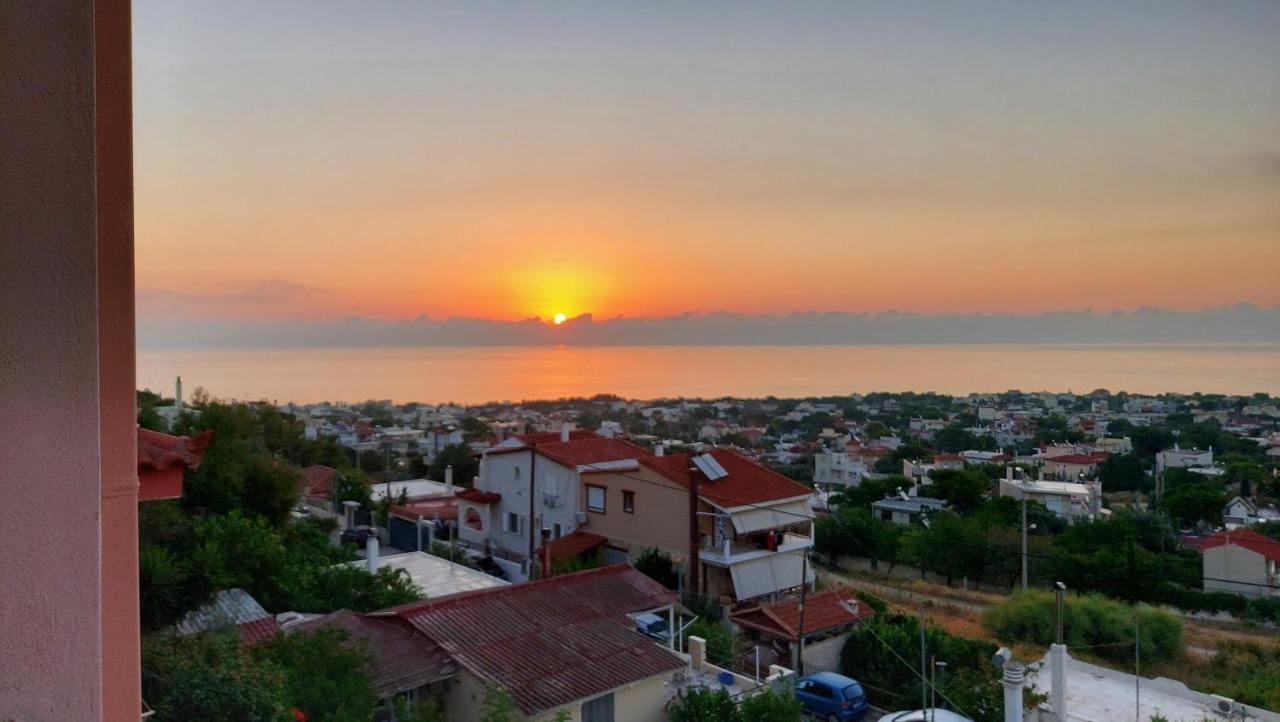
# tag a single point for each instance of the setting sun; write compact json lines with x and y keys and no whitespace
{"x":559,"y":318}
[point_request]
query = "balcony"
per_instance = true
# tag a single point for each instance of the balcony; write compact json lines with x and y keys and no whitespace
{"x":743,"y":550}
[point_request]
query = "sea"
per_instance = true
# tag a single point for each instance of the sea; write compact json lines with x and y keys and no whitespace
{"x":476,"y":375}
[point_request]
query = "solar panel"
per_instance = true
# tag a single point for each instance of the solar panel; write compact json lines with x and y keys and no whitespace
{"x":710,"y":468}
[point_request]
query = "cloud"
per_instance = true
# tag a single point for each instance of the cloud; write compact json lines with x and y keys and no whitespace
{"x":1241,"y":323}
{"x":270,"y":298}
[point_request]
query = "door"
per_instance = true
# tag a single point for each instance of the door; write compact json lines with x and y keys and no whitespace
{"x":599,"y":709}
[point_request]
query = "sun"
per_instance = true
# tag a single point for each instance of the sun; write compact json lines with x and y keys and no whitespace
{"x":559,"y":318}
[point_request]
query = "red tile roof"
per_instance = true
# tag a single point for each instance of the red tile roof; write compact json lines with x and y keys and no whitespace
{"x":479,"y":496}
{"x":318,"y":480}
{"x":257,"y":631}
{"x":571,"y":545}
{"x":401,"y":658}
{"x":158,"y":452}
{"x":747,"y":483}
{"x":1247,"y":538}
{"x":1082,"y":459}
{"x":553,"y":641}
{"x":544,"y":437}
{"x":446,"y":509}
{"x":826,"y":610}
{"x":585,"y":452}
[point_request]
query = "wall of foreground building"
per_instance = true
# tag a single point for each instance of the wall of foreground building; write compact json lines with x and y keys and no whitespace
{"x":643,"y":701}
{"x":68,"y":610}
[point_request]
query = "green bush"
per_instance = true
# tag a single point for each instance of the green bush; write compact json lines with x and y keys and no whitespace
{"x":720,"y":644}
{"x":876,"y":603}
{"x":1103,"y":626}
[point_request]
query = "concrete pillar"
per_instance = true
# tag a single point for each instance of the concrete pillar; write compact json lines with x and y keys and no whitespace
{"x":1058,"y":663}
{"x":67,"y":427}
{"x":371,"y":553}
{"x":697,"y":652}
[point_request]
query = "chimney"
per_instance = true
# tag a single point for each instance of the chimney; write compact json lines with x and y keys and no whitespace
{"x":1014,"y":677}
{"x":371,"y":552}
{"x":177,"y":394}
{"x":659,"y":448}
{"x":448,"y":479}
{"x":564,"y":431}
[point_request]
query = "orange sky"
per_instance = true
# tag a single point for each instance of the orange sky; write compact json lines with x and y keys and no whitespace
{"x":505,"y":166}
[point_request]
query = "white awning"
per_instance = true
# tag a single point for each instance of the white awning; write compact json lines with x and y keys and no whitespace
{"x":758,"y":519}
{"x":773,"y":573}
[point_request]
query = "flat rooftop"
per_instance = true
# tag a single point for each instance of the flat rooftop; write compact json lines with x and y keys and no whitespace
{"x":1098,"y":694}
{"x":437,"y":577}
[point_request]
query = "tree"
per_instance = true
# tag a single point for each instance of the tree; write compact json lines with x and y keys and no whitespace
{"x":964,"y":490}
{"x":498,"y":705}
{"x":209,"y":677}
{"x":702,"y":705}
{"x":770,"y":706}
{"x":657,"y":565}
{"x":1196,"y":502}
{"x":1123,"y":472}
{"x":353,"y":485}
{"x":325,"y":676}
{"x":459,"y":456}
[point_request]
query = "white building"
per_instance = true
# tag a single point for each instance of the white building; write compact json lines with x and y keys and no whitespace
{"x":1179,"y":458}
{"x":837,"y":469}
{"x":1069,"y":499}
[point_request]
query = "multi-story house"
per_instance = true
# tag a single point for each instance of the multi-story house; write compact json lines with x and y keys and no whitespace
{"x":1180,"y":458}
{"x":1068,"y":499}
{"x":837,"y":469}
{"x":738,"y":530}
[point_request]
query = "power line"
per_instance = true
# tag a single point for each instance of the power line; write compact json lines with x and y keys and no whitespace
{"x":598,"y":467}
{"x":911,"y":667}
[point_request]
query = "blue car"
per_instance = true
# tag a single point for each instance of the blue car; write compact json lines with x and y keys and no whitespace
{"x":832,"y":697}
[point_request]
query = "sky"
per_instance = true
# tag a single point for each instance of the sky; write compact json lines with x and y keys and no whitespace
{"x":304,"y":162}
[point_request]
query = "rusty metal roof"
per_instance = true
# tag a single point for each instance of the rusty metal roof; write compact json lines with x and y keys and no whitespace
{"x":554,"y":641}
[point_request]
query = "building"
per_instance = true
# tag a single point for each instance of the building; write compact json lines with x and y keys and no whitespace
{"x":564,"y":643}
{"x":748,"y":524}
{"x":905,"y":511}
{"x":1179,"y":458}
{"x":1069,"y":467}
{"x":1241,"y":562}
{"x":1069,"y":499}
{"x":828,"y":616}
{"x":1239,"y":512}
{"x":837,"y":469}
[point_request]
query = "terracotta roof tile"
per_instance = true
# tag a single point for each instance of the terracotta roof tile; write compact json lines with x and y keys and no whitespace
{"x":826,"y":610}
{"x":157,"y":451}
{"x":571,"y":545}
{"x":1247,"y":538}
{"x":479,"y":496}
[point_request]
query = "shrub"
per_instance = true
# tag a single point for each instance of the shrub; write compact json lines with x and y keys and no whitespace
{"x":1103,"y":625}
{"x":720,"y":644}
{"x":702,"y":705}
{"x":876,"y":603}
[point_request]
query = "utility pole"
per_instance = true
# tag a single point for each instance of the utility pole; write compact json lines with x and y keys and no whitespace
{"x":804,"y":587}
{"x":1024,"y":542}
{"x":693,"y":533}
{"x":1137,"y":668}
{"x":533,"y":492}
{"x":924,"y":676}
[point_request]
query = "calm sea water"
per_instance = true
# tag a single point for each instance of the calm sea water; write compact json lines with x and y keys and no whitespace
{"x":479,"y":374}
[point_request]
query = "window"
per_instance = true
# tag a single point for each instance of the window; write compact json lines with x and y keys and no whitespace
{"x":599,"y":709}
{"x":511,"y":522}
{"x":515,"y":473}
{"x":557,"y":531}
{"x":629,"y":501}
{"x":595,"y":499}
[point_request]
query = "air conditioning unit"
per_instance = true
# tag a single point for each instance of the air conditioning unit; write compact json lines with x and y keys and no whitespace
{"x":580,"y":517}
{"x":1225,"y":705}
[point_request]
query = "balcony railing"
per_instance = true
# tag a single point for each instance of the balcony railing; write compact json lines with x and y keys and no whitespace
{"x":740,"y":550}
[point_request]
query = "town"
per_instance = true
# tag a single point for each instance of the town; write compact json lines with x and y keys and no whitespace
{"x":993,"y":557}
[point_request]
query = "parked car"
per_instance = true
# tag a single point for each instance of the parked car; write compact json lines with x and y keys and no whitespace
{"x":932,"y":714}
{"x":832,"y":697}
{"x":653,"y":626}
{"x":358,"y":535}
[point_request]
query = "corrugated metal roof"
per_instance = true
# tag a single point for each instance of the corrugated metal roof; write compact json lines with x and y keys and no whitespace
{"x":553,"y":641}
{"x":228,"y":608}
{"x":402,"y":659}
